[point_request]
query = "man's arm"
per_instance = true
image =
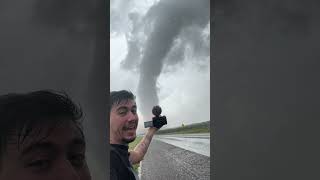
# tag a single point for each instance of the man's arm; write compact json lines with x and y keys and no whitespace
{"x":141,"y":149}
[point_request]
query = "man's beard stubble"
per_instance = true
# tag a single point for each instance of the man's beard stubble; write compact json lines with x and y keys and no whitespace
{"x":132,"y":125}
{"x":127,"y":141}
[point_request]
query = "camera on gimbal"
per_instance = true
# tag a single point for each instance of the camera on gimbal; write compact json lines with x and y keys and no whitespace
{"x":157,"y":121}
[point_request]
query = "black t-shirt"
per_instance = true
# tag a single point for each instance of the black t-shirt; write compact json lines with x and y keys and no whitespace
{"x":120,"y":167}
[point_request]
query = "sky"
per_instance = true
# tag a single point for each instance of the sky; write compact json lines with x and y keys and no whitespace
{"x":159,"y":50}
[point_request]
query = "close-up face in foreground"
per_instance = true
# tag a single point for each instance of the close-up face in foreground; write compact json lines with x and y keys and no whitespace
{"x":57,"y":155}
{"x":123,"y":122}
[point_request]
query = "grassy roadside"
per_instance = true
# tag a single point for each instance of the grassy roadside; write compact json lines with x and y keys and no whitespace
{"x":203,"y":127}
{"x":132,"y":145}
{"x":190,"y":131}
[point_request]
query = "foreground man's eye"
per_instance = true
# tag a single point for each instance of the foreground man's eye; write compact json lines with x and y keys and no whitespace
{"x":77,"y":160}
{"x":134,"y":111}
{"x":38,"y":165}
{"x":122,"y":112}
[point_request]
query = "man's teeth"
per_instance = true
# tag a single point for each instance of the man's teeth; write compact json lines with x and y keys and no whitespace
{"x":131,"y":127}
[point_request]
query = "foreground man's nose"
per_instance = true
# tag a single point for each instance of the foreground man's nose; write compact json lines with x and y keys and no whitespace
{"x":66,"y":171}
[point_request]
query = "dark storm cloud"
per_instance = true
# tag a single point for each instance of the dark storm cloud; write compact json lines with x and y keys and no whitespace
{"x":190,"y":36}
{"x":192,"y":43}
{"x":176,"y":53}
{"x":166,"y":33}
{"x":134,"y":42}
{"x":133,"y":55}
{"x":119,"y":10}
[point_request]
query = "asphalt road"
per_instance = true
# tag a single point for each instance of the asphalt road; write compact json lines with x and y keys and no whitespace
{"x":168,"y":162}
{"x":198,"y":143}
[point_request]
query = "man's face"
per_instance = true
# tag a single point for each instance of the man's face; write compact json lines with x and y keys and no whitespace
{"x":123,"y":122}
{"x":59,"y":155}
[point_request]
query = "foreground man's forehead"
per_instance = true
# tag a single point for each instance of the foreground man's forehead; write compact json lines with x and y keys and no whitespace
{"x":53,"y":146}
{"x":62,"y":136}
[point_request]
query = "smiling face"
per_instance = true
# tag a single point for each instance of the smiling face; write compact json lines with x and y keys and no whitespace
{"x":59,"y":155}
{"x":123,"y":122}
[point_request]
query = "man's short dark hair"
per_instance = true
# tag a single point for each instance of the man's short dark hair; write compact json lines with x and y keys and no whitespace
{"x":116,"y":97}
{"x":21,"y":113}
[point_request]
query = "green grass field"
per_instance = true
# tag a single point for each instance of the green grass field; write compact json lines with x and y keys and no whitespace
{"x":190,"y":131}
{"x":203,"y":127}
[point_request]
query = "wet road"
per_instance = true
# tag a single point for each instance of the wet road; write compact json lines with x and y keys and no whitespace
{"x":164,"y":161}
{"x":198,"y":143}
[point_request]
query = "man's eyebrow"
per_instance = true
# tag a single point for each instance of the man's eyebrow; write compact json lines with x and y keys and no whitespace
{"x":122,"y":107}
{"x":125,"y":107}
{"x":47,"y":146}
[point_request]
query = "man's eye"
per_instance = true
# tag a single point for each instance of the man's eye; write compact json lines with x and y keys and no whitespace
{"x":40,"y":164}
{"x":123,"y":112}
{"x":134,"y":111}
{"x":77,"y":160}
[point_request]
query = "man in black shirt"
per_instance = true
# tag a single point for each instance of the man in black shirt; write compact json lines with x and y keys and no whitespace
{"x":123,"y":125}
{"x":121,"y":167}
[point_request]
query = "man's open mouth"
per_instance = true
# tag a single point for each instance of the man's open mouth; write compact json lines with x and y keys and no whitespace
{"x":131,"y":127}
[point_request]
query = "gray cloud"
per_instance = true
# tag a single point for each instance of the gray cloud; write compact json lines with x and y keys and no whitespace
{"x":134,"y":42}
{"x":168,"y":18}
{"x":119,"y":20}
{"x":160,"y":39}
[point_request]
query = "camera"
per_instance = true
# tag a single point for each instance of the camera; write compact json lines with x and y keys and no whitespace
{"x":157,"y":121}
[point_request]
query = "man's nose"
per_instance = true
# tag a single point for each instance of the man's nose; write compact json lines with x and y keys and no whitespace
{"x":66,"y":171}
{"x":132,"y":116}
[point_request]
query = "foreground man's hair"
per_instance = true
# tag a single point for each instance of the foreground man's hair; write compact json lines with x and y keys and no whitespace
{"x":21,"y":113}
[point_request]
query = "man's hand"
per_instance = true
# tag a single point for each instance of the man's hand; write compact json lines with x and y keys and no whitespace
{"x":159,"y":121}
